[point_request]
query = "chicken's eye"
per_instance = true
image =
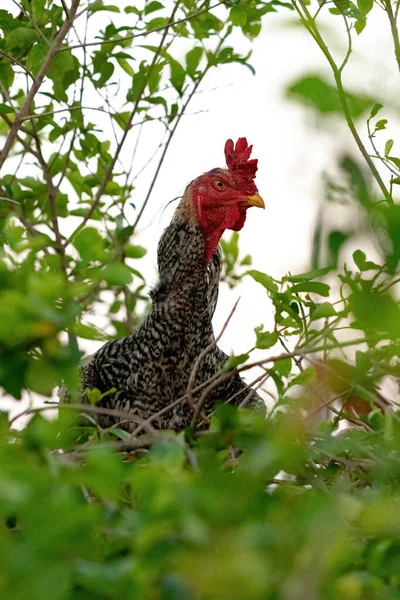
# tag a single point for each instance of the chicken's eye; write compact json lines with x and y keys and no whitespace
{"x":219,"y":185}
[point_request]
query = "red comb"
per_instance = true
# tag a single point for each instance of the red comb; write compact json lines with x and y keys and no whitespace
{"x":242,"y":169}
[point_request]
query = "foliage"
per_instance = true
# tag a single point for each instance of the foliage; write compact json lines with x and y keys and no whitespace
{"x":285,"y":507}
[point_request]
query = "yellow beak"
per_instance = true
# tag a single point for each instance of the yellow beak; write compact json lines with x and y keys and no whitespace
{"x":255,"y":200}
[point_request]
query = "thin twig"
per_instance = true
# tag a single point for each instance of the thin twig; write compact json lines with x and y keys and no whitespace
{"x":253,"y":391}
{"x":52,"y":193}
{"x":394,"y":30}
{"x":309,"y":24}
{"x":218,"y":378}
{"x":32,"y":22}
{"x":165,"y":149}
{"x":54,"y":48}
{"x":203,"y":398}
{"x":128,"y":126}
{"x":144,"y":33}
{"x":203,"y":353}
{"x":99,"y":410}
{"x":16,"y":62}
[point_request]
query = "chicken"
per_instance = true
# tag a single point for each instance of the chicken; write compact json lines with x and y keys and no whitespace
{"x":151,"y":368}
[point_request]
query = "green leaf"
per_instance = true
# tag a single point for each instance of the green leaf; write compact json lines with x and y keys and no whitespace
{"x":41,"y":376}
{"x":314,"y":91}
{"x":20,"y":39}
{"x":157,"y":23}
{"x":308,"y":275}
{"x":119,"y":433}
{"x":177,"y":77}
{"x":247,"y":261}
{"x":193,"y":58}
{"x":36,"y":56}
{"x":360,"y":260}
{"x":89,"y":244}
{"x":323,"y":311}
{"x":152,"y":7}
{"x":88,"y":332}
{"x":235,"y":361}
{"x":132,"y":251}
{"x":6,"y":74}
{"x":365,"y":6}
{"x":238,"y":15}
{"x":39,"y":12}
{"x":396,"y":180}
{"x":99,"y":6}
{"x":395,"y":161}
{"x":124,"y":64}
{"x":283,"y":366}
{"x":5,"y":109}
{"x":312,"y":287}
{"x":94,"y":395}
{"x":375,"y":109}
{"x":380,"y":124}
{"x":265,"y":339}
{"x":305,"y":377}
{"x":173,"y":113}
{"x":388,"y":147}
{"x":117,"y":274}
{"x":64,"y":71}
{"x":265,"y":280}
{"x":359,"y":25}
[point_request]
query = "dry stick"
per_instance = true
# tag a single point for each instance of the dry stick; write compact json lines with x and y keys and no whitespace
{"x":374,"y":399}
{"x":203,"y":398}
{"x":325,"y":404}
{"x":203,"y":353}
{"x":128,"y":126}
{"x":99,"y":410}
{"x":300,"y":352}
{"x":38,"y":82}
{"x":69,"y":109}
{"x":20,"y":139}
{"x":262,"y":377}
{"x":143,"y":442}
{"x":251,"y":393}
{"x":307,"y":350}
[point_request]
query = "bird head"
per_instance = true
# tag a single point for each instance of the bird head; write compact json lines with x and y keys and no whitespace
{"x":220,"y":198}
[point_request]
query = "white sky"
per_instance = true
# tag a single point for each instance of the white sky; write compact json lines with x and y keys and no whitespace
{"x":292,"y":147}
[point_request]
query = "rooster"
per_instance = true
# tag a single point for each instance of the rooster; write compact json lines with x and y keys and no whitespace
{"x":150,"y":369}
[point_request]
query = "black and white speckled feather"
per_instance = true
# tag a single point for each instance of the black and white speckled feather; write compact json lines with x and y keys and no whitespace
{"x":151,"y":368}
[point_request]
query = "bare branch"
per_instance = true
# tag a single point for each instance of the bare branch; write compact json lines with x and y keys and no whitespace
{"x":204,"y":353}
{"x":171,"y":135}
{"x":203,"y":398}
{"x":128,"y":126}
{"x":37,"y":83}
{"x":218,"y":378}
{"x":99,"y":410}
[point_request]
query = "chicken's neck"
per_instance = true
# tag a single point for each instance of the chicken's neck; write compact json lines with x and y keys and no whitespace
{"x":186,"y":212}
